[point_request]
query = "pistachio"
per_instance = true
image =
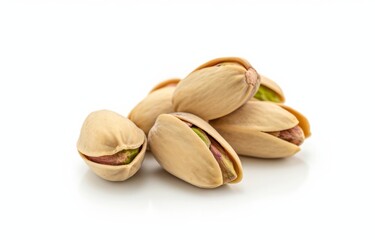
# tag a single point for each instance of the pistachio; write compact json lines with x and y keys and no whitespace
{"x":269,"y":91}
{"x":194,"y":152}
{"x":111,"y":145}
{"x":216,"y":88}
{"x":158,"y":101}
{"x":262,"y":129}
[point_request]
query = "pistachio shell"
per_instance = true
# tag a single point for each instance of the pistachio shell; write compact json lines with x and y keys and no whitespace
{"x":181,"y":152}
{"x":303,"y":121}
{"x":158,"y":101}
{"x":107,"y":133}
{"x":216,"y":88}
{"x":257,"y":144}
{"x":167,"y":83}
{"x":216,"y":61}
{"x":260,"y":116}
{"x":246,"y":130}
{"x":267,"y":83}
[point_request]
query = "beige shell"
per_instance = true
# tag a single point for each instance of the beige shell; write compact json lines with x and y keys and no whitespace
{"x":266,"y":82}
{"x":158,"y":101}
{"x":167,"y":83}
{"x":303,"y":121}
{"x":245,"y":130}
{"x":183,"y":154}
{"x":106,"y":133}
{"x":216,"y":88}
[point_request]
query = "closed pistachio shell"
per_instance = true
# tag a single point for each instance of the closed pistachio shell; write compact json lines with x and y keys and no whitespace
{"x":216,"y":88}
{"x":249,"y":130}
{"x":158,"y":101}
{"x":104,"y":134}
{"x":182,"y":152}
{"x":269,"y":91}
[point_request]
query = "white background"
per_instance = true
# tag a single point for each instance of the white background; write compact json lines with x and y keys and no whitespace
{"x":60,"y":60}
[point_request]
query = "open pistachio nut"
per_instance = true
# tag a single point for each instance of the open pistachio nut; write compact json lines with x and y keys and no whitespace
{"x":269,"y":91}
{"x":158,"y":101}
{"x":111,"y":145}
{"x":216,"y":88}
{"x":263,"y":129}
{"x":189,"y":148}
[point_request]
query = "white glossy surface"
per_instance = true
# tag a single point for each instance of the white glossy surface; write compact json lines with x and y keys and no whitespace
{"x":60,"y":60}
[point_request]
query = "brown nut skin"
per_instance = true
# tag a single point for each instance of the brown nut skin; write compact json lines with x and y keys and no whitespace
{"x":182,"y":153}
{"x":303,"y":122}
{"x":158,"y":101}
{"x":216,"y":88}
{"x":250,"y":130}
{"x":105,"y":133}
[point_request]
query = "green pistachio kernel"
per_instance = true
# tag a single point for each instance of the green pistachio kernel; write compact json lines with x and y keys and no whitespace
{"x":130,"y":154}
{"x":202,"y":135}
{"x":266,"y":94}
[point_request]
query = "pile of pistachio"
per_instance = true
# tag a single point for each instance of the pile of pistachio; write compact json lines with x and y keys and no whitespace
{"x":195,"y":127}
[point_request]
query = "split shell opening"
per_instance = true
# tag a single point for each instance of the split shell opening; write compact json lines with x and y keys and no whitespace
{"x":106,"y":133}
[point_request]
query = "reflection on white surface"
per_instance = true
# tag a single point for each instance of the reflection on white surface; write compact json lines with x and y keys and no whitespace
{"x":153,"y":189}
{"x":268,"y":177}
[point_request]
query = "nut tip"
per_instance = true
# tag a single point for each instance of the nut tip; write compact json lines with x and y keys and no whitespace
{"x":252,"y":77}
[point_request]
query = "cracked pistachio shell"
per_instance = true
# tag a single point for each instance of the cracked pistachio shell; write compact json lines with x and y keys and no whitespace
{"x":245,"y":130}
{"x":272,"y":88}
{"x":158,"y":101}
{"x":303,"y":121}
{"x":107,"y":133}
{"x":216,"y":88}
{"x":181,"y":152}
